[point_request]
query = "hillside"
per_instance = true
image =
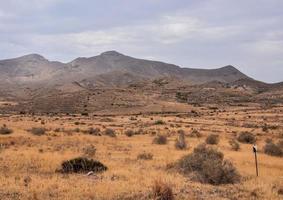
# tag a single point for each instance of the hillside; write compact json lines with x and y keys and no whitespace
{"x":112,"y":82}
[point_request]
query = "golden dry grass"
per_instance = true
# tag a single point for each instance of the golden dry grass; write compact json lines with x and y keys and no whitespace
{"x":28,"y":162}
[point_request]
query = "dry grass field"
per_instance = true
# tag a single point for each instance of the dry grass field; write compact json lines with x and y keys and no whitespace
{"x":29,"y":163}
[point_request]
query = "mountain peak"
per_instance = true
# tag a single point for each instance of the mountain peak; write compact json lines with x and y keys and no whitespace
{"x":33,"y":57}
{"x":111,"y":53}
{"x":230,"y":68}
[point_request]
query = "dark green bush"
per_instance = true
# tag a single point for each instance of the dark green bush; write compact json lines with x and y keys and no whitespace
{"x":82,"y":165}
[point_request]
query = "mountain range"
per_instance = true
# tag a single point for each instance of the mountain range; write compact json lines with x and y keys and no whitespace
{"x":33,"y":81}
{"x":107,"y":69}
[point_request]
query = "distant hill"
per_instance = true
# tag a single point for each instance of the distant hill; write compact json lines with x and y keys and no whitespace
{"x":115,"y":83}
{"x":107,"y":69}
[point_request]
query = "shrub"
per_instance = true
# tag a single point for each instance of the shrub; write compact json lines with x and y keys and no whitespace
{"x":82,"y":165}
{"x":56,"y":130}
{"x":235,"y":146}
{"x":212,"y":139}
{"x":110,"y":132}
{"x":38,"y":131}
{"x":89,"y":150}
{"x":265,"y":128}
{"x":162,"y":191}
{"x":159,"y":122}
{"x":181,"y":141}
{"x":160,"y":139}
{"x":208,"y":166}
{"x":145,"y":156}
{"x":93,"y":131}
{"x":268,"y":140}
{"x":129,"y":133}
{"x":84,"y":114}
{"x":195,"y":133}
{"x":280,"y":144}
{"x":4,"y":130}
{"x":246,"y":137}
{"x":273,"y":149}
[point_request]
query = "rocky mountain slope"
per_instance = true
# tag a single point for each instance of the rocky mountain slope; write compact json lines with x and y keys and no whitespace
{"x":113,"y":82}
{"x":107,"y":69}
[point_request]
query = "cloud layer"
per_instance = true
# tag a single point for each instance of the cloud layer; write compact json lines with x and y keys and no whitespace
{"x":206,"y":34}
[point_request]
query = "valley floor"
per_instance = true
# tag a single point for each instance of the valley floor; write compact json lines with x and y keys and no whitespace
{"x":28,"y":162}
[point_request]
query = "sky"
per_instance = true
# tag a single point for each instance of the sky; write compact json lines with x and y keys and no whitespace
{"x":247,"y":34}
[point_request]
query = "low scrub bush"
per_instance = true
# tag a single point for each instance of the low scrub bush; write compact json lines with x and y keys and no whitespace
{"x":159,"y":122}
{"x":273,"y":149}
{"x":212,"y":139}
{"x":160,"y":139}
{"x":82,"y":165}
{"x":93,"y":131}
{"x":4,"y":130}
{"x":280,"y":144}
{"x":89,"y":150}
{"x":195,"y":133}
{"x":37,"y":131}
{"x":145,"y":156}
{"x":110,"y":132}
{"x":181,"y":141}
{"x":247,"y":137}
{"x":162,"y":191}
{"x":129,"y":133}
{"x":207,"y":165}
{"x":235,"y":146}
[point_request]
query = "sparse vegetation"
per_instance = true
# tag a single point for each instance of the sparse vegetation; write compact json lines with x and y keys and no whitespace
{"x":93,"y":131}
{"x":247,"y":137}
{"x":212,"y":139}
{"x":160,"y":139}
{"x":181,"y":141}
{"x":273,"y":149}
{"x":37,"y":131}
{"x":29,"y":163}
{"x":207,"y":165}
{"x":82,"y":165}
{"x":235,"y":146}
{"x":162,"y":191}
{"x":129,"y":133}
{"x":89,"y":150}
{"x":159,"y":122}
{"x":4,"y":130}
{"x":145,"y":156}
{"x":110,"y":132}
{"x":195,"y":133}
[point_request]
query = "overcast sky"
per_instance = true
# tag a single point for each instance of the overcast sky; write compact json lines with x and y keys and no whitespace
{"x":247,"y":34}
